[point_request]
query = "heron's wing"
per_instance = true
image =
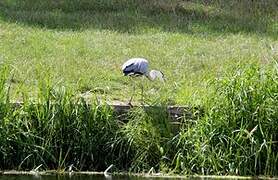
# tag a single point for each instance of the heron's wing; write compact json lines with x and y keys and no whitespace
{"x":135,"y":65}
{"x":132,"y":70}
{"x":127,"y":65}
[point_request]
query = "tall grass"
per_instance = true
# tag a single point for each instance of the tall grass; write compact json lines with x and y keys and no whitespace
{"x":140,"y":142}
{"x":237,"y":135}
{"x":56,"y":130}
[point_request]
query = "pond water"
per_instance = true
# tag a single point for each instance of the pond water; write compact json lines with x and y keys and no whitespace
{"x":102,"y":177}
{"x":77,"y":177}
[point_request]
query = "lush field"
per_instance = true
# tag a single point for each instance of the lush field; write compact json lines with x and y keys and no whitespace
{"x":236,"y":135}
{"x":82,"y":44}
{"x":220,"y":55}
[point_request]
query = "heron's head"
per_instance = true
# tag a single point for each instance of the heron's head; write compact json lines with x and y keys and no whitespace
{"x":155,"y":74}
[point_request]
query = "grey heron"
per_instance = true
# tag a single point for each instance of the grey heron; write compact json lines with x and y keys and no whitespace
{"x":136,"y":67}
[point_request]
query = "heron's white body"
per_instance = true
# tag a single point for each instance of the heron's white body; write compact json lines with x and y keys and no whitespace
{"x":139,"y":66}
{"x":136,"y":66}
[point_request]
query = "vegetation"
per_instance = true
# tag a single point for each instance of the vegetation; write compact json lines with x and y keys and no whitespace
{"x":221,"y":55}
{"x":237,"y":135}
{"x":83,"y":43}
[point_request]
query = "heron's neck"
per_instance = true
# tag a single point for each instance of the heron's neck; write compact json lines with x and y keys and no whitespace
{"x":149,"y":76}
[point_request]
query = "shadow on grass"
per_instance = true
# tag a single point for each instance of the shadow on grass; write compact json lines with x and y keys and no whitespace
{"x":135,"y":16}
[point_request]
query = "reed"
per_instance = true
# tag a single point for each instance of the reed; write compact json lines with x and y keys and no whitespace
{"x":215,"y":54}
{"x":237,"y":135}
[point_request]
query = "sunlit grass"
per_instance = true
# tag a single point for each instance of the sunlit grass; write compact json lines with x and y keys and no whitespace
{"x":85,"y":49}
{"x":57,"y":55}
{"x":235,"y":135}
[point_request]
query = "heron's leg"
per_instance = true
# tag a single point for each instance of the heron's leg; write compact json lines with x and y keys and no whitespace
{"x":132,"y":94}
{"x":142,"y":91}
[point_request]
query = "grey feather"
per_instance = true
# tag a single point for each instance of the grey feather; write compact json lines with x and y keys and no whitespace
{"x":135,"y":66}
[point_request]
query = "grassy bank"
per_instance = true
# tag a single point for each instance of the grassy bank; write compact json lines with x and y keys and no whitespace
{"x":83,"y":43}
{"x":57,"y":55}
{"x":236,"y":136}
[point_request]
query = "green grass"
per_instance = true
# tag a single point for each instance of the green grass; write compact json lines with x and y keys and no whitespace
{"x":82,"y":44}
{"x":236,"y":135}
{"x":220,"y":55}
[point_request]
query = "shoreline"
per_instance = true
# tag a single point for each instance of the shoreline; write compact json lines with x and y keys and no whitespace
{"x":144,"y":175}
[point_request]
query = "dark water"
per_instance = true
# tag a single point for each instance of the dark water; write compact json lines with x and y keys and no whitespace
{"x":77,"y":177}
{"x":64,"y":177}
{"x":101,"y":177}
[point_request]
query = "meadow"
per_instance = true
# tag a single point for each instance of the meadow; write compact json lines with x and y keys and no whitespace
{"x":82,"y":44}
{"x":220,"y":55}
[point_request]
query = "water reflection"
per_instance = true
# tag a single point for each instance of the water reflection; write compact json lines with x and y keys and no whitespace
{"x":74,"y":177}
{"x":98,"y":177}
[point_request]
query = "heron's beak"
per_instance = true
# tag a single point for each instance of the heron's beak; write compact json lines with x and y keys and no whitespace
{"x":163,"y":79}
